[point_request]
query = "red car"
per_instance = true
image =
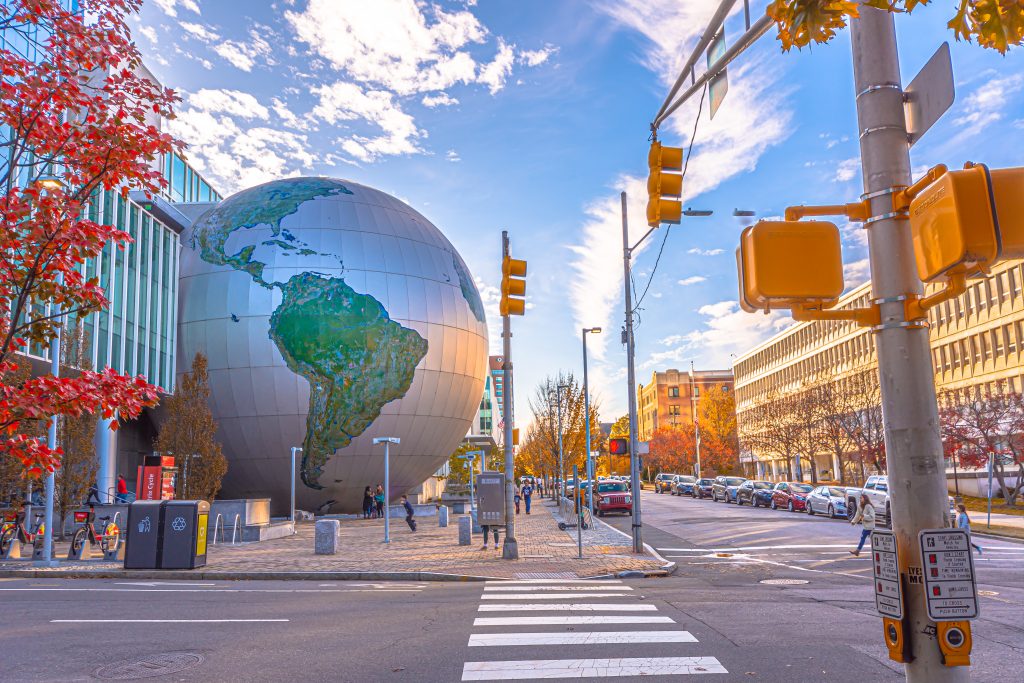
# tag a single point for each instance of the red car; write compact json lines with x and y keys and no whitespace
{"x":791,"y":495}
{"x":612,"y":496}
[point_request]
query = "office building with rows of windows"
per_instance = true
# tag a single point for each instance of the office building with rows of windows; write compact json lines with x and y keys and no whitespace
{"x":977,"y":340}
{"x":670,"y":399}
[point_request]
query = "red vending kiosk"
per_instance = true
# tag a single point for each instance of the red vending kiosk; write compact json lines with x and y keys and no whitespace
{"x":156,"y":478}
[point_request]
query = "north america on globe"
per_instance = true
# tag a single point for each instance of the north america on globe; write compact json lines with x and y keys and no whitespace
{"x":344,"y":343}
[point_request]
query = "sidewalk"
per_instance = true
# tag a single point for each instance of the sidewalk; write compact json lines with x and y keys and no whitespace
{"x":432,"y":552}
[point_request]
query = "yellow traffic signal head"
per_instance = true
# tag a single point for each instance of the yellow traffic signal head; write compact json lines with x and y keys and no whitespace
{"x":786,"y":263}
{"x":512,"y":285}
{"x":665,"y":158}
{"x":954,"y":224}
{"x":661,"y":159}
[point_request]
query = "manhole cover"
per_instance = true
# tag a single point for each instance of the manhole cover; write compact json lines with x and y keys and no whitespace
{"x":149,"y":666}
{"x":783,"y":582}
{"x":988,"y":594}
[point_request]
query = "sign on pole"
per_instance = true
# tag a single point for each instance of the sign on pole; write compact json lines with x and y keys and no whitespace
{"x":951,"y":591}
{"x":886,"y":569}
{"x":929,"y":95}
{"x":719,"y":85}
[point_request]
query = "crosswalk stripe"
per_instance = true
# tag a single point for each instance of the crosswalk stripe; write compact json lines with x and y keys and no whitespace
{"x":535,"y":582}
{"x":568,"y":607}
{"x":549,"y":596}
{"x":512,"y":589}
{"x":590,"y":668}
{"x":565,"y":620}
{"x":580,"y":638}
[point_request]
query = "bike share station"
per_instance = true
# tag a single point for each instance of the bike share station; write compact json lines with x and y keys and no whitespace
{"x":946,"y":571}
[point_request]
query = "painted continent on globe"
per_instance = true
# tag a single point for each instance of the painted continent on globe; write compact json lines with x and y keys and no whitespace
{"x":289,"y":239}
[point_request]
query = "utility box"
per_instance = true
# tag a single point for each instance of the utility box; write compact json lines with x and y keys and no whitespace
{"x":184,"y":529}
{"x":490,"y":495}
{"x":143,"y":534}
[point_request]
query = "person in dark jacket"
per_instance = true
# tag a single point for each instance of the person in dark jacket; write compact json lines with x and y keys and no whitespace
{"x":367,"y":502}
{"x":409,"y":513}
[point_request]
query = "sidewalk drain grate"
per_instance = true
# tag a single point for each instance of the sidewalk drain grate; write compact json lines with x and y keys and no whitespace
{"x":149,"y":666}
{"x":783,"y":582}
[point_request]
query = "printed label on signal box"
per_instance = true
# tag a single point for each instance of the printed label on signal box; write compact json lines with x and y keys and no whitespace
{"x":886,"y":569}
{"x":950,"y":587}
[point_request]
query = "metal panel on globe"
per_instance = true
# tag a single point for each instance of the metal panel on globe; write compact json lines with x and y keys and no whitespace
{"x":330,"y":312}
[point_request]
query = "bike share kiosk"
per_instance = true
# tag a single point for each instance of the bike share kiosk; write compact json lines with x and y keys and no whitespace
{"x":167,"y":534}
{"x":156,"y":478}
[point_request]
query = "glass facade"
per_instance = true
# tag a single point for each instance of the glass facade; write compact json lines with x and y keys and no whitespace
{"x":186,"y":185}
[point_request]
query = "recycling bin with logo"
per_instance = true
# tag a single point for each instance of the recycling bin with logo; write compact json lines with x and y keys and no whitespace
{"x":185,"y":528}
{"x":143,"y":534}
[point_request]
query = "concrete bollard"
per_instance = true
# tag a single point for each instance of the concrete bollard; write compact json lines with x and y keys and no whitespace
{"x":477,"y":529}
{"x":465,"y":537}
{"x":442,"y":516}
{"x":327,"y":537}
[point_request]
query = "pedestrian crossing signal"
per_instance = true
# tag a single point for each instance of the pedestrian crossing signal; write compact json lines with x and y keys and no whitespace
{"x":618,"y":446}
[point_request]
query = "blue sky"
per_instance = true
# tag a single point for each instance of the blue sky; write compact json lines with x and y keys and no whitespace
{"x":532,"y":116}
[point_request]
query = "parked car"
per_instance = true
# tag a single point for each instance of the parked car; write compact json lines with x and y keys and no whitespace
{"x":725,"y":488}
{"x":663,"y":482}
{"x":702,"y":488}
{"x":747,"y":491}
{"x":682,"y":485}
{"x":876,"y":488}
{"x":830,"y":500}
{"x":791,"y":495}
{"x":612,"y":496}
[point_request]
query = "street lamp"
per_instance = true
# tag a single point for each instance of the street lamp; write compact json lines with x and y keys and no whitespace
{"x":291,"y":515}
{"x":591,"y":465}
{"x":387,"y":441}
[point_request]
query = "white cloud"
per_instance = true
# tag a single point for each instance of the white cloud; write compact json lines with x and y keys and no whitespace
{"x":347,"y":101}
{"x":494,"y":74}
{"x":288,"y":117}
{"x":203,"y":33}
{"x":452,"y":155}
{"x":234,"y":102}
{"x":856,"y":273}
{"x":986,"y":104}
{"x":705,"y":252}
{"x":439,"y":100}
{"x":244,"y":54}
{"x":170,"y":7}
{"x":847,"y":170}
{"x":692,"y":280}
{"x":149,"y":32}
{"x":536,"y":57}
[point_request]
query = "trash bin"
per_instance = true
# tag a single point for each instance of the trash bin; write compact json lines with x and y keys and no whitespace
{"x":143,"y":534}
{"x":185,"y":525}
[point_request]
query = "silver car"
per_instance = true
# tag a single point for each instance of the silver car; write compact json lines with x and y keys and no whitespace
{"x":827,"y":500}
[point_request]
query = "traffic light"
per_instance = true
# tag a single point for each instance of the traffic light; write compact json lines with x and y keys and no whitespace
{"x":513,"y":286}
{"x":515,"y":437}
{"x":659,"y":183}
{"x":618,"y":446}
{"x":786,"y":263}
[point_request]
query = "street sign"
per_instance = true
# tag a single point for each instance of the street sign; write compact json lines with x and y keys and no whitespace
{"x":886,"y":569}
{"x":929,"y":95}
{"x":719,"y":85}
{"x":951,"y":591}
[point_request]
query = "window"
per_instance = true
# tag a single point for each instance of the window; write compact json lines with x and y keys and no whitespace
{"x":1010,"y":332}
{"x":673,"y":392}
{"x":975,"y":355}
{"x":986,"y":349}
{"x":674,"y":410}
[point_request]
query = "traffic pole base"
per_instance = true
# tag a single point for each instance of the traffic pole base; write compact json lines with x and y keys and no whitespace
{"x":510,"y":549}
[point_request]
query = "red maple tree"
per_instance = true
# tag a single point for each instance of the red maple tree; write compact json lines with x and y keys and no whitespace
{"x":79,"y":118}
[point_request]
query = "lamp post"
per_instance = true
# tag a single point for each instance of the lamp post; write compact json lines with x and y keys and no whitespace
{"x":387,"y":441}
{"x":591,"y":465}
{"x":627,"y":338}
{"x":291,"y":515}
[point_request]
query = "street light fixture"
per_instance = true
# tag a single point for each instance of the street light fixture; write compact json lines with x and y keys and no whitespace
{"x":291,"y":515}
{"x":697,"y":212}
{"x":387,"y":441}
{"x":743,"y":213}
{"x":591,"y":465}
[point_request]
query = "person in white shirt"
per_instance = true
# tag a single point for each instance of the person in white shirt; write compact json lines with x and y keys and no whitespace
{"x":866,"y":518}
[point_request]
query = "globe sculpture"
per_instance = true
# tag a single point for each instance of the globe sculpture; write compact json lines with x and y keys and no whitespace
{"x":331,"y":314}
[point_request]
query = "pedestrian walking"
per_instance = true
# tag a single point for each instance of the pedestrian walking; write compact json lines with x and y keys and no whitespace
{"x":122,"y":489}
{"x":409,"y":513}
{"x":486,"y":529}
{"x":964,"y":522}
{"x":378,"y":501}
{"x":367,"y":503}
{"x":518,"y":499}
{"x":94,"y":495}
{"x":527,"y":495}
{"x":866,"y":518}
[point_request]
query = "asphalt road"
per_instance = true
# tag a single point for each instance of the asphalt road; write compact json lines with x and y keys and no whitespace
{"x":713,"y":618}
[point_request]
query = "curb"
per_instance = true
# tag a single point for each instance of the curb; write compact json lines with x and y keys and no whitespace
{"x":667,"y":568}
{"x":1002,"y":537}
{"x":242,"y":576}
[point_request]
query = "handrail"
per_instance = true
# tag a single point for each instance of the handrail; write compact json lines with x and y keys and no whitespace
{"x":218,"y":520}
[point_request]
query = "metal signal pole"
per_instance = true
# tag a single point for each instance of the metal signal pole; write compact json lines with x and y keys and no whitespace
{"x":510,"y":548}
{"x":917,"y":474}
{"x":634,"y":446}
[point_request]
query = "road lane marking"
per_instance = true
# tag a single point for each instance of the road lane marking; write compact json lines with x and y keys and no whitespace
{"x":551,"y":596}
{"x":159,"y":583}
{"x":580,"y":638}
{"x":590,"y":668}
{"x":535,"y":582}
{"x":563,"y":620}
{"x":568,"y":607}
{"x":751,"y":547}
{"x":512,"y":589}
{"x":208,"y":590}
{"x":164,"y":621}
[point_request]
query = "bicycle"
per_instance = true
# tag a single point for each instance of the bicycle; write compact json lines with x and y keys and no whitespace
{"x":588,"y":521}
{"x":8,"y":531}
{"x":108,"y":541}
